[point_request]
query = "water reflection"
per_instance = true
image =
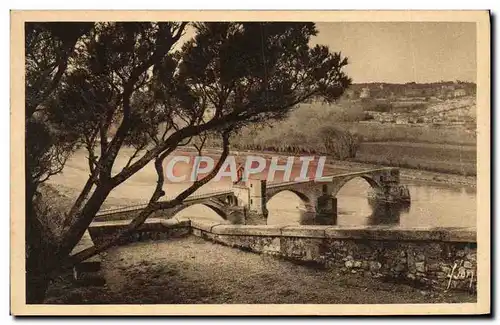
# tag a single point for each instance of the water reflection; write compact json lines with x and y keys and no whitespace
{"x":432,"y":205}
{"x":385,"y":213}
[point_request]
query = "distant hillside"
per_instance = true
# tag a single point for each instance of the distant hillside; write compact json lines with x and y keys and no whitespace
{"x":442,"y":90}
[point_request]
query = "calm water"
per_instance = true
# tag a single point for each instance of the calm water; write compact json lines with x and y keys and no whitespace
{"x":431,"y":205}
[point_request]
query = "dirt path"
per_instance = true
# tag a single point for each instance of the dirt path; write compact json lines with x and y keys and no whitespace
{"x":193,"y":271}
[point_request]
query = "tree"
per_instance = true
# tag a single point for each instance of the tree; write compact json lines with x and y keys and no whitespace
{"x":48,"y":51}
{"x":126,"y":75}
{"x":338,"y":143}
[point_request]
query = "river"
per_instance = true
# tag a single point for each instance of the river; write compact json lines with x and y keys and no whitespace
{"x":432,"y":204}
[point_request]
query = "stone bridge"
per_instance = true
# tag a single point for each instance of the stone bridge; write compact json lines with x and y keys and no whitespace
{"x":224,"y":203}
{"x":247,"y":202}
{"x":319,"y":195}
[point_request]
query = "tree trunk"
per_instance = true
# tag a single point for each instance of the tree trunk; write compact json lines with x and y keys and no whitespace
{"x":37,"y":265}
{"x":38,"y":262}
{"x":37,"y":283}
{"x":39,"y":251}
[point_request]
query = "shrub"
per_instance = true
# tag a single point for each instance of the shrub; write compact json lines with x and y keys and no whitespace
{"x":339,"y":144}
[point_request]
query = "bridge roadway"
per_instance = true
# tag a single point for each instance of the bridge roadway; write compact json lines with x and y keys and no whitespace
{"x":329,"y":178}
{"x":201,"y":197}
{"x":192,"y":199}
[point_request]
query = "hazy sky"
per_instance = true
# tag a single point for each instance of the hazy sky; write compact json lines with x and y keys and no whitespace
{"x":403,"y":52}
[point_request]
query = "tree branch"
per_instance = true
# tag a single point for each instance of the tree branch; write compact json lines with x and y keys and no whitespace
{"x":128,"y":90}
{"x":153,"y":204}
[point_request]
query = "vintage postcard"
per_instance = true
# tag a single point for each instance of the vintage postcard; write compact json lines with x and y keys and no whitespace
{"x":250,"y":162}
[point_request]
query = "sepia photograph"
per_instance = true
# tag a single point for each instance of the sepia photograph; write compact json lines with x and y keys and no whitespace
{"x":250,"y":163}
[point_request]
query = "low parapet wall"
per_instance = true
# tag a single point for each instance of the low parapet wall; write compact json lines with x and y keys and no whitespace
{"x":434,"y":257}
{"x":152,"y":229}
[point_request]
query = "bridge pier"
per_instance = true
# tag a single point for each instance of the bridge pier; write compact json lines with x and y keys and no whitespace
{"x":255,"y":193}
{"x":390,"y":192}
{"x":326,"y":209}
{"x":257,"y":204}
{"x":252,"y":218}
{"x":251,"y":196}
{"x":326,"y":206}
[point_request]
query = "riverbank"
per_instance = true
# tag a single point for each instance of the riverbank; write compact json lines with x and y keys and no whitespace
{"x":406,"y":173}
{"x":444,"y":158}
{"x":415,"y":174}
{"x":193,"y":271}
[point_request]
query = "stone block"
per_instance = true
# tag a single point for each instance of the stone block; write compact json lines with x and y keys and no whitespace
{"x":205,"y":225}
{"x":433,"y":267}
{"x":304,"y":231}
{"x":337,"y":233}
{"x":272,"y":247}
{"x":196,"y":232}
{"x":400,"y":267}
{"x":420,"y":267}
{"x":460,"y":235}
{"x":174,"y":222}
{"x":445,"y":269}
{"x":247,"y":230}
{"x":420,"y":257}
{"x":382,"y":233}
{"x":301,"y":248}
{"x":375,"y":266}
{"x":471,"y":257}
{"x":109,"y":224}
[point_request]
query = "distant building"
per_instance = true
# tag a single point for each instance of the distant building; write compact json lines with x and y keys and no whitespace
{"x":459,"y":93}
{"x":365,"y":93}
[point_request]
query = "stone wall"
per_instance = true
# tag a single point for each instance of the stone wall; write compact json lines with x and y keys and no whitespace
{"x":419,"y":263}
{"x":128,"y":215}
{"x":152,"y":229}
{"x":420,"y":257}
{"x":439,"y":258}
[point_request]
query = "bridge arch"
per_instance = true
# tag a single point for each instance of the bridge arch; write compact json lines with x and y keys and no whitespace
{"x":368,"y":178}
{"x":303,"y":197}
{"x":213,"y":205}
{"x":231,"y":200}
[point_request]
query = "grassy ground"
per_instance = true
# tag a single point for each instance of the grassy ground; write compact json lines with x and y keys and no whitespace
{"x":193,"y":271}
{"x":454,"y":159}
{"x":408,"y":133}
